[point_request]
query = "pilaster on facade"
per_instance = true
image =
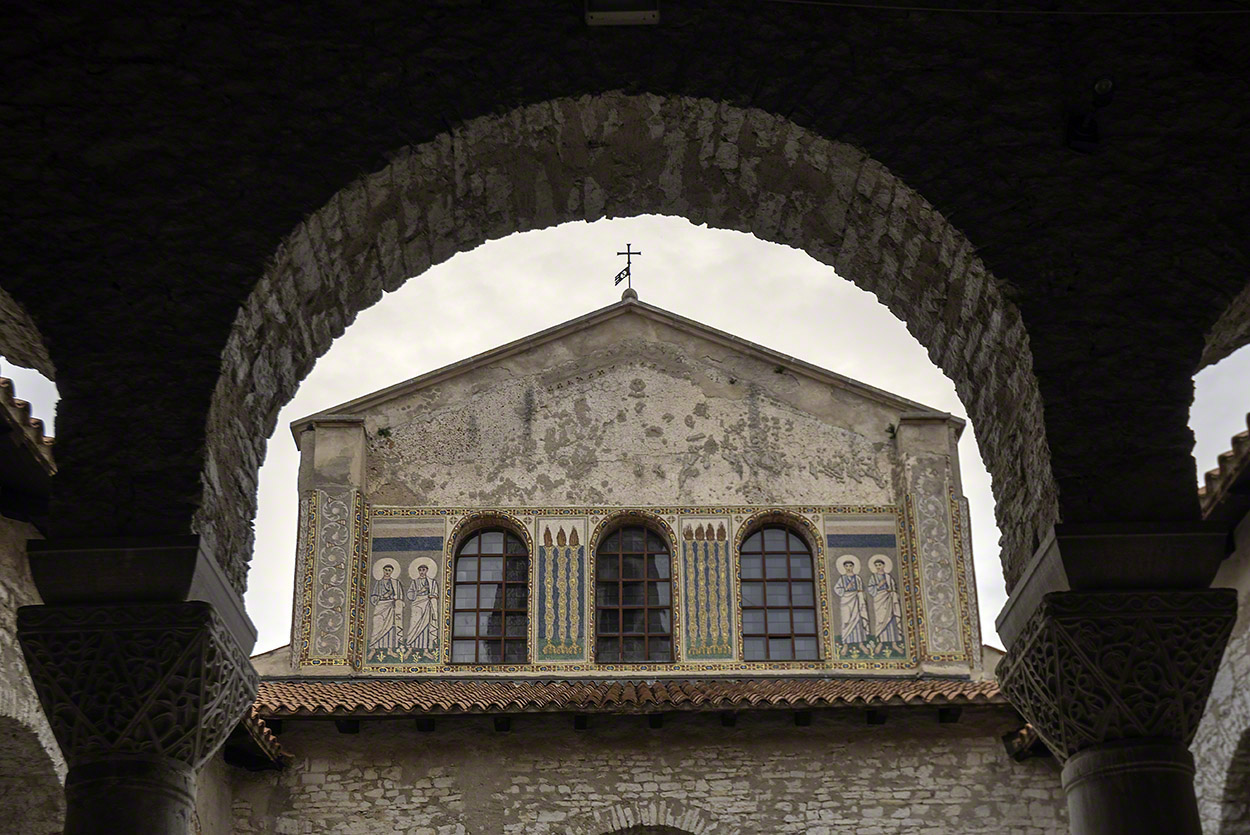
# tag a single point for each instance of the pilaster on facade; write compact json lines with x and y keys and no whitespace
{"x":938,"y":522}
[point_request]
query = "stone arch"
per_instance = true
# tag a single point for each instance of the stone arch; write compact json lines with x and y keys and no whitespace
{"x":21,"y":343}
{"x":659,"y":816}
{"x":1230,"y":331}
{"x":616,"y":154}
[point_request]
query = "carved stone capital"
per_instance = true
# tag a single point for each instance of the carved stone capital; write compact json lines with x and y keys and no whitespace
{"x":148,"y":680}
{"x":1095,"y":667}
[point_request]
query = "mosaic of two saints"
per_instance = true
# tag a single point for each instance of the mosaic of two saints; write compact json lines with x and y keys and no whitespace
{"x":404,"y":612}
{"x":870,"y":613}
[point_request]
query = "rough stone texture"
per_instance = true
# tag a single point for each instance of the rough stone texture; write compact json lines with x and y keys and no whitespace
{"x":154,"y":161}
{"x":611,"y":155}
{"x":1221,"y":748}
{"x":32,"y":769}
{"x":1231,"y":331}
{"x":631,"y":412}
{"x":20,"y":341}
{"x":910,"y":775}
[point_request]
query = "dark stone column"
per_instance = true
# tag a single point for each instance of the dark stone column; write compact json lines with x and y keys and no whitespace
{"x":139,"y":695}
{"x":1115,"y":683}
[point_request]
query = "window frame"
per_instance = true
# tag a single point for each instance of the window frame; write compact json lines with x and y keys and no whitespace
{"x":763,"y":580}
{"x":503,"y":639}
{"x":646,"y":581}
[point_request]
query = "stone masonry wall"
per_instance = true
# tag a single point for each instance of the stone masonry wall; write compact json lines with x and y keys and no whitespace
{"x":31,"y":767}
{"x":911,"y":775}
{"x":620,"y":155}
{"x":1221,"y":748}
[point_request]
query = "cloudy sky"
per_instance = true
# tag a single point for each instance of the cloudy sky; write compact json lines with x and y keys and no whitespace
{"x":507,"y":289}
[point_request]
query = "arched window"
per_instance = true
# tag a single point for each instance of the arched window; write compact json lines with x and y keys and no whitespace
{"x":633,"y":592}
{"x":778,"y":597}
{"x":490,"y":620}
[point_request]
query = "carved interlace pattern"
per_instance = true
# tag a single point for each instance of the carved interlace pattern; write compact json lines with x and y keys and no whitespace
{"x":160,"y":678}
{"x":1093,"y":667}
{"x":937,"y":564}
{"x":333,"y":544}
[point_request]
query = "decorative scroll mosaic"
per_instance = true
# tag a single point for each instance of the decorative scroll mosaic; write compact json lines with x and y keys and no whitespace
{"x":945,"y":631}
{"x":329,"y":546}
{"x":868,"y":585}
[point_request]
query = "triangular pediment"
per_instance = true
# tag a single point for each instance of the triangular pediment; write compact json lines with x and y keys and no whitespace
{"x":628,"y":318}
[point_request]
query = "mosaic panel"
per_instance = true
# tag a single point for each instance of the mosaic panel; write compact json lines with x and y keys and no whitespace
{"x":869,"y":617}
{"x":559,"y":614}
{"x":707,"y":569}
{"x":399,"y":596}
{"x":327,"y":552}
{"x":934,"y":523}
{"x":404,"y":624}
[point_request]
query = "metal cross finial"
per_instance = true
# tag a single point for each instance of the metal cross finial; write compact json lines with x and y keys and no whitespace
{"x":625,"y":274}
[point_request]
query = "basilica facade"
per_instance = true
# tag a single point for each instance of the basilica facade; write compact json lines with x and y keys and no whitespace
{"x":632,"y":574}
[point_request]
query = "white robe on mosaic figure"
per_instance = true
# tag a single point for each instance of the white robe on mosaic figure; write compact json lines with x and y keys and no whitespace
{"x":423,"y":613}
{"x":887,"y":610}
{"x":852,"y":607}
{"x":387,"y":599}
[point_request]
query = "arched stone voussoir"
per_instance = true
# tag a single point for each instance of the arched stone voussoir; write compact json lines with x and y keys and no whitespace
{"x":1230,"y":332}
{"x":616,"y":154}
{"x":21,"y":343}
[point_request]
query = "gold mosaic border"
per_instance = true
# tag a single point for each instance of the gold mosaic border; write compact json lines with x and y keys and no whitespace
{"x":668,"y":515}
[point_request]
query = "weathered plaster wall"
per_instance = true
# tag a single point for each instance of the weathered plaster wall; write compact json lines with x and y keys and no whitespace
{"x":213,"y":798}
{"x":630,"y":412}
{"x":32,"y":770}
{"x":910,"y":775}
{"x":1221,"y":747}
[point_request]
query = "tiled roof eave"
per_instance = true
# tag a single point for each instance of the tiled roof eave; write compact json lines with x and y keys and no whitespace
{"x":407,"y":697}
{"x":1227,"y":487}
{"x":28,"y":428}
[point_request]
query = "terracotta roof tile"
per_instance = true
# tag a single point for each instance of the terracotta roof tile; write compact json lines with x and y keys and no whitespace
{"x":17,"y":413}
{"x":401,"y":697}
{"x":1221,"y":494}
{"x":262,"y":736}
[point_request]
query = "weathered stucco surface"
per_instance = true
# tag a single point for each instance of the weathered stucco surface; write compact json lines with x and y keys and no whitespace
{"x":911,"y":775}
{"x":630,"y":412}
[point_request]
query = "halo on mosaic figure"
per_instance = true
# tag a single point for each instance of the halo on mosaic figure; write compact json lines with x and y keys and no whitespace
{"x":844,"y":559}
{"x":889,"y":563}
{"x":385,"y":561}
{"x":431,"y":567}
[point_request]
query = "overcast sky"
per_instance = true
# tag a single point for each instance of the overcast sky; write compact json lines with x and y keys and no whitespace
{"x":507,"y":289}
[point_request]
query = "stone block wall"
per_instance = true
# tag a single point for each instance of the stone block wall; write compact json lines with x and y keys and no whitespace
{"x":910,"y":775}
{"x":1221,"y":748}
{"x":32,"y":770}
